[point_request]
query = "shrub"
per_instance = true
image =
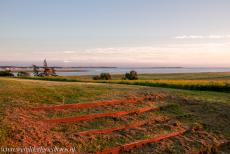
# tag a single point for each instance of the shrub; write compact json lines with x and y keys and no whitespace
{"x":103,"y":76}
{"x":132,"y":75}
{"x":96,"y":77}
{"x":22,"y":73}
{"x":6,"y":73}
{"x":227,"y":84}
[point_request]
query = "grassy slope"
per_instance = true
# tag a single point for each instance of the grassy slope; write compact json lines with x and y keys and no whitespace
{"x":190,"y":81}
{"x":210,"y":109}
{"x":27,"y":93}
{"x":169,"y":76}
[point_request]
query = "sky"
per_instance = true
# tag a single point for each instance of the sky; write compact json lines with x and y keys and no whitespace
{"x":140,"y":33}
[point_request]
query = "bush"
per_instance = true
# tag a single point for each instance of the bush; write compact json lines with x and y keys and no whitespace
{"x":6,"y":73}
{"x":96,"y":77}
{"x":132,"y":75}
{"x":103,"y":76}
{"x":22,"y":73}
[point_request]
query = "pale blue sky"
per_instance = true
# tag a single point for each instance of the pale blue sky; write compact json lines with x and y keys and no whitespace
{"x":115,"y":32}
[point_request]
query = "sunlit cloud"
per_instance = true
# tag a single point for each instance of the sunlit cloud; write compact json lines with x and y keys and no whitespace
{"x":67,"y":61}
{"x":189,"y":37}
{"x":199,"y":54}
{"x":68,"y":52}
{"x":202,"y":37}
{"x":175,"y":54}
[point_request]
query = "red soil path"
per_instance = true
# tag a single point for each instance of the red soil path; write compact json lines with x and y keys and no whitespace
{"x":110,"y":130}
{"x":84,"y":105}
{"x":94,"y":104}
{"x":137,"y":144}
{"x":128,"y":126}
{"x":100,"y":115}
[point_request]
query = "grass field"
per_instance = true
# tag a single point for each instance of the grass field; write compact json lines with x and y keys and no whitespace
{"x":190,"y":81}
{"x":203,"y":114}
{"x":169,"y":76}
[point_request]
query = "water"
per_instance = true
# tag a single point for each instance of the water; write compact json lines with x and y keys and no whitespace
{"x":97,"y":71}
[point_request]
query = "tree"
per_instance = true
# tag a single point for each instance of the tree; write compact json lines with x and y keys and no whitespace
{"x":35,"y":70}
{"x":23,"y":73}
{"x":45,"y":65}
{"x":103,"y":76}
{"x":6,"y":73}
{"x":132,"y":75}
{"x":53,"y":71}
{"x":46,"y":69}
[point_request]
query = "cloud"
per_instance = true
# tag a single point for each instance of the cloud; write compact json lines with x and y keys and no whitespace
{"x":202,"y":37}
{"x":218,"y":36}
{"x":67,"y":61}
{"x":68,"y":52}
{"x":176,"y":54}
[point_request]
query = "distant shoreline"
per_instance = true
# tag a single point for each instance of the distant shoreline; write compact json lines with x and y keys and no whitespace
{"x":57,"y":67}
{"x":112,"y":67}
{"x":30,"y":71}
{"x":78,"y":71}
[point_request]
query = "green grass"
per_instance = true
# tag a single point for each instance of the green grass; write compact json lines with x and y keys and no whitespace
{"x":16,"y":93}
{"x":168,"y":76}
{"x":154,"y":76}
{"x":207,"y":108}
{"x":190,"y":81}
{"x":95,"y":110}
{"x":202,"y":85}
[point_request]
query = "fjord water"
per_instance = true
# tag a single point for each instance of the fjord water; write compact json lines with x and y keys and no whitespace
{"x":96,"y":71}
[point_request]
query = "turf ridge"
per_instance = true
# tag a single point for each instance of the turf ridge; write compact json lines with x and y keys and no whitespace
{"x":117,"y":128}
{"x":100,"y":115}
{"x":137,"y":144}
{"x":91,"y":104}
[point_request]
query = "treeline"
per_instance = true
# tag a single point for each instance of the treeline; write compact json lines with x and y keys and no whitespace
{"x":132,"y":75}
{"x":8,"y":73}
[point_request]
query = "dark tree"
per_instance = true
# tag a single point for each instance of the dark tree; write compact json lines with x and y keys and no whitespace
{"x":35,"y":70}
{"x":46,"y":71}
{"x":132,"y":75}
{"x":23,"y":74}
{"x":53,"y":71}
{"x":6,"y":73}
{"x":45,"y":65}
{"x":103,"y":76}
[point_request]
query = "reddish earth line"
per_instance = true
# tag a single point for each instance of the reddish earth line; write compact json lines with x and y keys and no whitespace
{"x":93,"y":104}
{"x":100,"y":115}
{"x":85,"y":105}
{"x":137,"y":144}
{"x":110,"y":130}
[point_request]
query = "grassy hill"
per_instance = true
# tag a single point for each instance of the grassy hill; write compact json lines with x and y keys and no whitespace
{"x":204,"y":114}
